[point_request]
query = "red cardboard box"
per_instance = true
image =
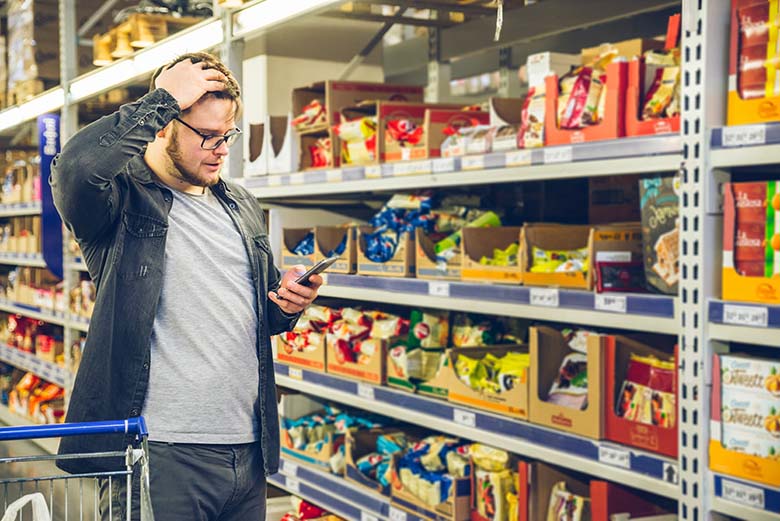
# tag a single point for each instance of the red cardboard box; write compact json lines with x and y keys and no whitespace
{"x":618,"y":350}
{"x":612,"y":126}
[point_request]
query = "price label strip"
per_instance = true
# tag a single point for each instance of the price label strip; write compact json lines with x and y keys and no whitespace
{"x":292,"y":484}
{"x":615,"y":456}
{"x":473,"y":163}
{"x":296,"y":373}
{"x":365,"y":391}
{"x":743,"y":494}
{"x":558,"y":155}
{"x":613,"y":303}
{"x":465,"y":418}
{"x":744,"y":135}
{"x":438,"y":289}
{"x":753,"y":316}
{"x":545,"y":297}
{"x":396,"y":514}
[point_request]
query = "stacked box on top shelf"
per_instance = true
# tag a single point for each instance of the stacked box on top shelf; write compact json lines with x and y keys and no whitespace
{"x":744,"y":439}
{"x":753,"y":93}
{"x":566,"y":384}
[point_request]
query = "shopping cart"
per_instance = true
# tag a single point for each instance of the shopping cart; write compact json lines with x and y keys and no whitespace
{"x":65,"y":489}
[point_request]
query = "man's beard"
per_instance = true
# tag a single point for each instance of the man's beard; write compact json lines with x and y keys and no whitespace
{"x":177,"y":170}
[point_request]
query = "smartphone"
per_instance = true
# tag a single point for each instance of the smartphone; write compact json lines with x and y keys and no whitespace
{"x":318,"y":268}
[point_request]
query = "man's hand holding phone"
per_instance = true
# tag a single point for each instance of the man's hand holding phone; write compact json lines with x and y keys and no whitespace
{"x":293,"y":297}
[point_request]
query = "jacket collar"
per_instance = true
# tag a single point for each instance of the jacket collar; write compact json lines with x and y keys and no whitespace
{"x":138,"y":169}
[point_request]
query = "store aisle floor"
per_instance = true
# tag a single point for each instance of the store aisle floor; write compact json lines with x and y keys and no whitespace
{"x":66,"y":504}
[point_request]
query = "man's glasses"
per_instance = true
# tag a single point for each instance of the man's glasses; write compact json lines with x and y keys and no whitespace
{"x":213,"y":141}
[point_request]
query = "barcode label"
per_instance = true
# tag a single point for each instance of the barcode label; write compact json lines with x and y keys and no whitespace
{"x":290,"y":468}
{"x":745,"y":315}
{"x":365,"y":391}
{"x":465,"y":418}
{"x":438,"y":289}
{"x":296,"y":373}
{"x":545,"y":297}
{"x":373,"y":172}
{"x":613,"y":303}
{"x":365,"y":516}
{"x":518,"y":158}
{"x":558,"y":155}
{"x":472,"y":163}
{"x":743,"y":135}
{"x":615,"y":457}
{"x":445,"y":164}
{"x":743,"y":494}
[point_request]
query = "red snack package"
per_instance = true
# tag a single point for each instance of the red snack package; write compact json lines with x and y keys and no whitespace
{"x":575,"y":106}
{"x":404,"y":131}
{"x":754,"y":24}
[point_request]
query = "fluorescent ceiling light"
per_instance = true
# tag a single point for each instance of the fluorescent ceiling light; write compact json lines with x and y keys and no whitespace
{"x":271,"y":12}
{"x":103,"y":79}
{"x":47,"y":102}
{"x":199,"y":39}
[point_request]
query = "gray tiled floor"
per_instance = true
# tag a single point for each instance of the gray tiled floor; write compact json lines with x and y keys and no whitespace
{"x":58,"y":494}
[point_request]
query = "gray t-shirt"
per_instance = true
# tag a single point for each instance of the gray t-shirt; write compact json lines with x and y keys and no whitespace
{"x":203,"y":383}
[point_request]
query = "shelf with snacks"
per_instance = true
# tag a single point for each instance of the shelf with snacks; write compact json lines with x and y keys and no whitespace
{"x":745,"y":500}
{"x":638,"y":312}
{"x":745,"y":322}
{"x":47,"y":370}
{"x":615,"y":157}
{"x":745,"y":145}
{"x":32,"y":260}
{"x":36,"y":312}
{"x":11,"y":419}
{"x":642,"y":469}
{"x":20,"y":209}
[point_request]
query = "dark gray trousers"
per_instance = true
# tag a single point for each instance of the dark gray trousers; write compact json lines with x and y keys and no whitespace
{"x":194,"y":483}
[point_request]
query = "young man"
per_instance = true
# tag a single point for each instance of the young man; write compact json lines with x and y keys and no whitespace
{"x":187,"y":298}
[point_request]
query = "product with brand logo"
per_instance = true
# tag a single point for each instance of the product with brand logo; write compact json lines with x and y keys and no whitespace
{"x":660,"y":206}
{"x":757,"y":241}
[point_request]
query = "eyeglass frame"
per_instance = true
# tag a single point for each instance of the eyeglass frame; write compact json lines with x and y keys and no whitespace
{"x":236,"y":131}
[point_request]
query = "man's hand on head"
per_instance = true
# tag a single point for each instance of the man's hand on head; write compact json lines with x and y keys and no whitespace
{"x":188,"y":82}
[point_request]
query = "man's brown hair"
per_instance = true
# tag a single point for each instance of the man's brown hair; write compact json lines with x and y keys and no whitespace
{"x":232,"y":90}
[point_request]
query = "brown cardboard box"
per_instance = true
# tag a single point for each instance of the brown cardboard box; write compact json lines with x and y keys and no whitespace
{"x":506,"y":114}
{"x":480,"y":242}
{"x":553,"y":237}
{"x":327,"y":238}
{"x":290,"y":238}
{"x":613,"y":199}
{"x":374,"y":370}
{"x":427,"y":265}
{"x":548,"y":350}
{"x":456,"y":508}
{"x":401,"y":265}
{"x":541,"y":480}
{"x":626,"y":48}
{"x":313,"y":358}
{"x":435,"y":387}
{"x":513,"y":402}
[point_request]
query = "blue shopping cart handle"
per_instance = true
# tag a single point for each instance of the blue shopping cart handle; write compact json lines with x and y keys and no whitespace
{"x":136,"y":426}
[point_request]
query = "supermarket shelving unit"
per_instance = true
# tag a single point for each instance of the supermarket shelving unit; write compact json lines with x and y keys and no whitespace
{"x":706,"y":152}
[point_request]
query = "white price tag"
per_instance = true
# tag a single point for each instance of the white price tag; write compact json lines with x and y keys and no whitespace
{"x":292,"y":485}
{"x":613,"y":303}
{"x":373,"y":172}
{"x":615,"y":457}
{"x":558,"y":154}
{"x":444,"y":164}
{"x":290,"y":468}
{"x":472,"y":163}
{"x":365,"y":516}
{"x":296,"y":373}
{"x":465,"y":418}
{"x":274,"y":180}
{"x":745,"y":315}
{"x":396,"y":514}
{"x":296,"y":178}
{"x":743,"y":135}
{"x":365,"y":391}
{"x":334,"y":176}
{"x":411,"y":168}
{"x":439,"y":289}
{"x":546,"y":297}
{"x":518,"y":158}
{"x":743,"y":494}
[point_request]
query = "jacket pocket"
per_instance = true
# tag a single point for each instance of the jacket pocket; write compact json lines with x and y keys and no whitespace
{"x":142,"y":247}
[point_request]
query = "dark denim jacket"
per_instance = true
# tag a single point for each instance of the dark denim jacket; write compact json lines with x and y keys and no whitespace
{"x":110,"y":200}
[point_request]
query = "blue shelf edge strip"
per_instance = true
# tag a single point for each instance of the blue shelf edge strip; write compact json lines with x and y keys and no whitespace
{"x":716,"y":312}
{"x":29,"y":362}
{"x":622,"y":148}
{"x":642,"y":463}
{"x":770,"y":496}
{"x":636,"y":304}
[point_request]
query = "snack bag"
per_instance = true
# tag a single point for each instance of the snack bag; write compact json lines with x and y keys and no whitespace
{"x":565,"y":506}
{"x":648,"y":393}
{"x":660,"y":207}
{"x":570,"y":388}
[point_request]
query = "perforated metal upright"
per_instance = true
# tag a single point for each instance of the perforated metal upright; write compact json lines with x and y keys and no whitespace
{"x":704,"y":63}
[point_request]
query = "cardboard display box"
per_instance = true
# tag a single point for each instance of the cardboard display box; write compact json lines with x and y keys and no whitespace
{"x":607,"y":500}
{"x":613,"y":199}
{"x":612,"y":125}
{"x":627,"y":48}
{"x":427,"y":267}
{"x":602,"y":242}
{"x":486,"y":496}
{"x":436,"y":387}
{"x":294,"y":406}
{"x":327,"y":238}
{"x":456,"y":508}
{"x":742,"y":111}
{"x":373,"y":370}
{"x":439,"y":119}
{"x":505,"y":118}
{"x":737,"y":287}
{"x":290,"y":239}
{"x":548,"y":349}
{"x":313,"y":357}
{"x":338,"y":95}
{"x":272,"y":147}
{"x":731,"y":462}
{"x":480,"y":242}
{"x":401,"y":265}
{"x":513,"y":402}
{"x":618,"y":350}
